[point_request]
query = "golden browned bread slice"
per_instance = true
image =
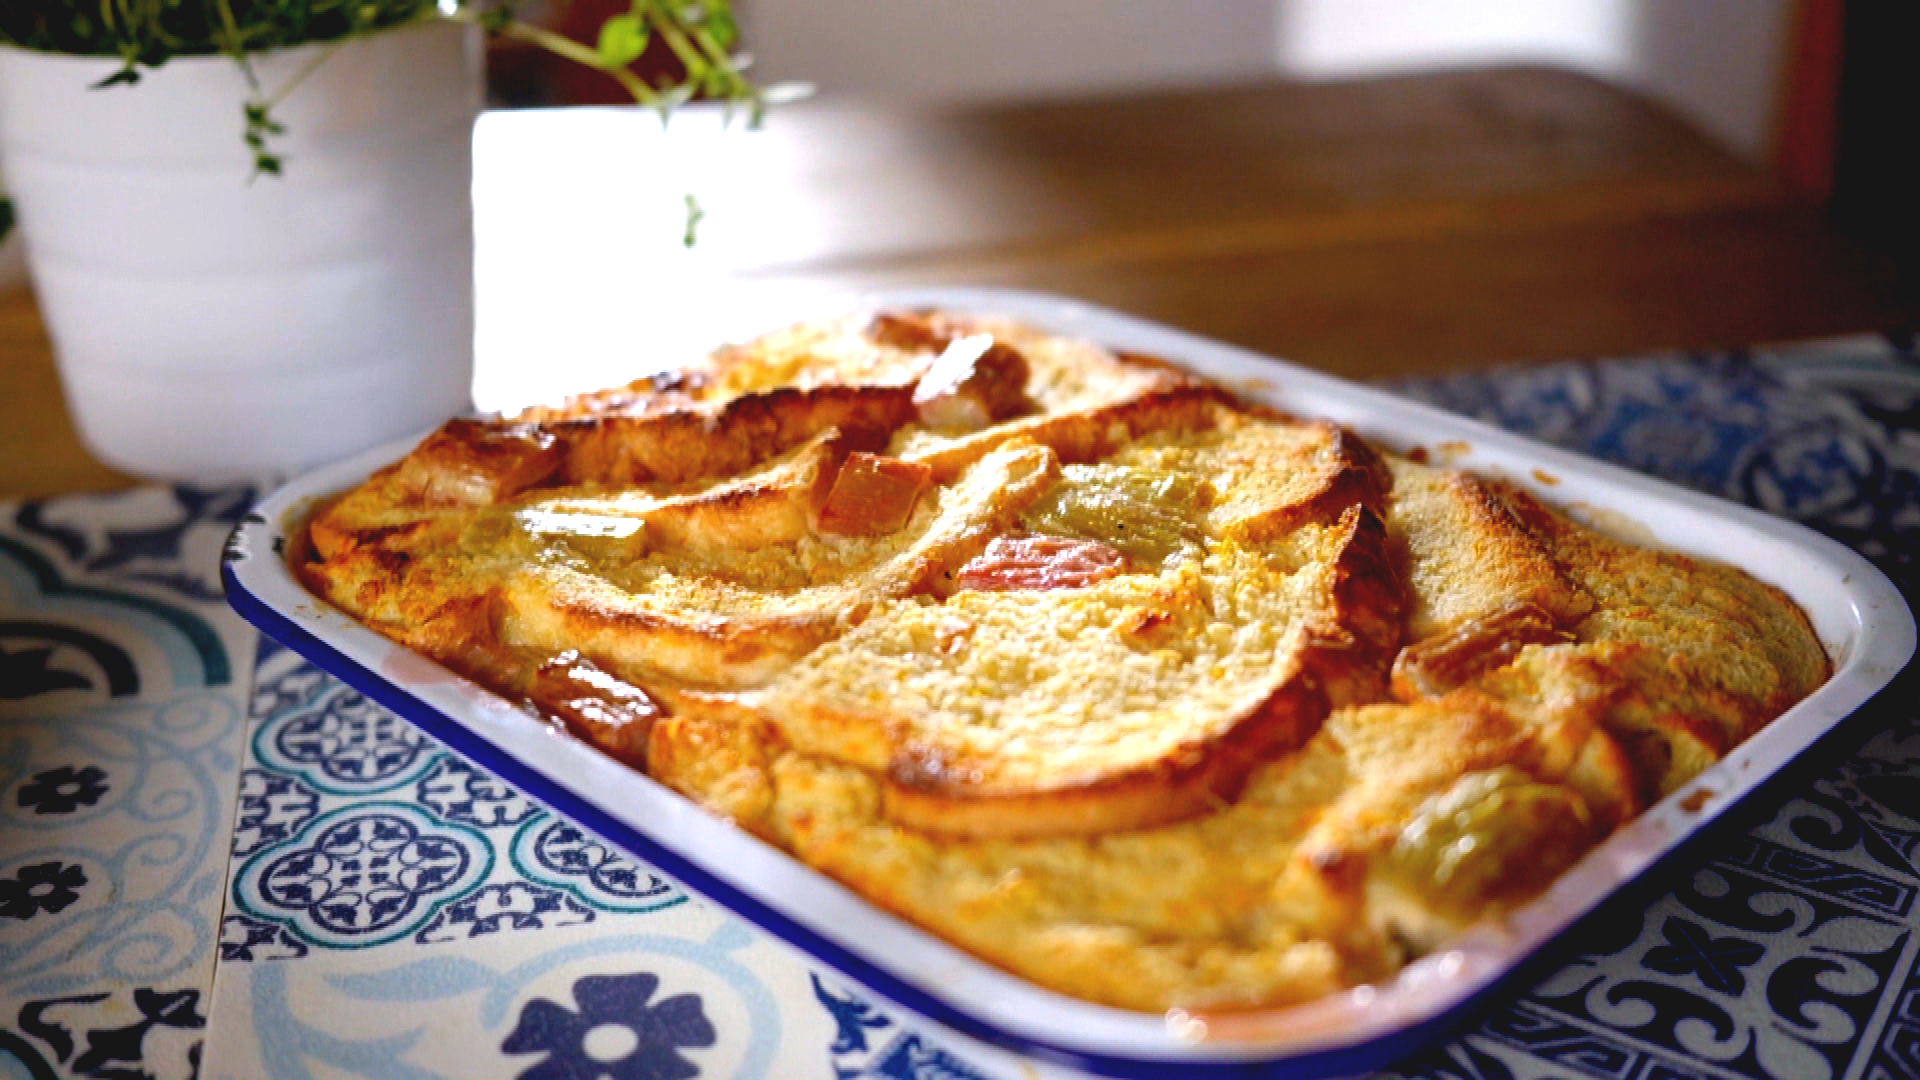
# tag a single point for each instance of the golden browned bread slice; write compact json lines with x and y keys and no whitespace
{"x":1250,"y":589}
{"x":736,"y":619}
{"x":1705,"y":653}
{"x":708,"y":442}
{"x":1149,"y":919}
{"x":1470,"y":802}
{"x":1141,"y":699}
{"x":1085,"y":402}
{"x":1699,"y":654}
{"x":1148,"y":695}
{"x":773,"y":504}
{"x":1269,"y":475}
{"x":1298,"y":887}
{"x":887,"y":351}
{"x":1468,"y":556}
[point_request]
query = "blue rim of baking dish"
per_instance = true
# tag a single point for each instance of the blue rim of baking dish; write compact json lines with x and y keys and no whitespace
{"x":258,"y":539}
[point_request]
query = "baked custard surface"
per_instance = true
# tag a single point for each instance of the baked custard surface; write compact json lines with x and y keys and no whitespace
{"x":1152,"y":696}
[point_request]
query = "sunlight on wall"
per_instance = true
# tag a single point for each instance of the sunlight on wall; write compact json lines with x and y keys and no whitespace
{"x":1345,"y":37}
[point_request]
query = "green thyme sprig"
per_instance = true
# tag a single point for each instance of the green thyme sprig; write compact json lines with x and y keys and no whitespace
{"x":701,"y":34}
{"x":145,"y":34}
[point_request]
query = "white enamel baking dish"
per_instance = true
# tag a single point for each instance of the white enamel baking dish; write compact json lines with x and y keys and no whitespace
{"x":1856,"y":611}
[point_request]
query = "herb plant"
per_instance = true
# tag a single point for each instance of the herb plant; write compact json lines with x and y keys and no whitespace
{"x":145,"y":34}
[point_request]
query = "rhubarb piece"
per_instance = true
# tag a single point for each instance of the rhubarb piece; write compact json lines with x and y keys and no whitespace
{"x":1041,"y":562}
{"x":912,"y":330}
{"x":873,"y":495}
{"x":1447,"y":661}
{"x":603,"y":709}
{"x":975,"y":383}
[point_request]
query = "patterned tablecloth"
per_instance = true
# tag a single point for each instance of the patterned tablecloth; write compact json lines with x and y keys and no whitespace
{"x":217,"y":861}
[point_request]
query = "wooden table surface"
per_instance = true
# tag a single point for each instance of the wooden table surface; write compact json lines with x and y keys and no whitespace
{"x":1368,"y":228}
{"x":39,"y":452}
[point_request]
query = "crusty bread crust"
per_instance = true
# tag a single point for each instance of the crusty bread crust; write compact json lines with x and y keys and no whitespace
{"x":1143,"y":693}
{"x":1017,"y":734}
{"x":737,"y":623}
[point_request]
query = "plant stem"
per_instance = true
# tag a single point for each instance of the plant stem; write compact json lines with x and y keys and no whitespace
{"x":320,"y":56}
{"x":695,"y":63}
{"x":561,"y":45}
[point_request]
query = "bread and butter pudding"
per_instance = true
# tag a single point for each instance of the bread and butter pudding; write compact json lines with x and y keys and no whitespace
{"x":1149,"y":695}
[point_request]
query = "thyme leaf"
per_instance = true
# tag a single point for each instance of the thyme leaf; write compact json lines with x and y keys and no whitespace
{"x":144,"y":34}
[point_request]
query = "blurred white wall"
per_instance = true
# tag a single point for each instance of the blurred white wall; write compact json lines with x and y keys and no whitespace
{"x":981,"y":50}
{"x":1719,"y":62}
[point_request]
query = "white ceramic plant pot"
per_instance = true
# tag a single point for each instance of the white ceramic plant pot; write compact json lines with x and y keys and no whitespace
{"x":208,"y":323}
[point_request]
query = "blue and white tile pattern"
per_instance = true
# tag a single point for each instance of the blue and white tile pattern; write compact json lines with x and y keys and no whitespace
{"x":380,"y":907}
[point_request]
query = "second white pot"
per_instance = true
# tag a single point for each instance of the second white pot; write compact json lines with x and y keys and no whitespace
{"x":208,"y":323}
